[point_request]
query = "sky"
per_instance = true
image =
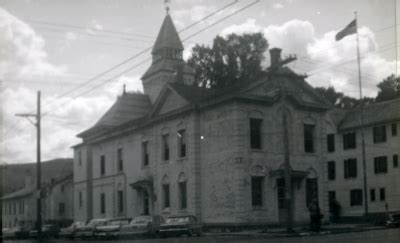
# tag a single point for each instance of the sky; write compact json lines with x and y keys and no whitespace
{"x":61,"y":47}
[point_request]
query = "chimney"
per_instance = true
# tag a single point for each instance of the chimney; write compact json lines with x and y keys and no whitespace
{"x":275,"y":54}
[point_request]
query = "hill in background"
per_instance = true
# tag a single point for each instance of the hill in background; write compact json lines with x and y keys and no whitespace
{"x":15,"y":174}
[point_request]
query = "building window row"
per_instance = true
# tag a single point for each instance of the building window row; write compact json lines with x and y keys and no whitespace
{"x":182,"y":191}
{"x":382,"y":194}
{"x":181,"y":145}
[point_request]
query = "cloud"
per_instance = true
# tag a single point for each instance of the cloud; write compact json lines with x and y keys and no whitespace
{"x":328,"y":62}
{"x":277,"y":6}
{"x":22,"y":50}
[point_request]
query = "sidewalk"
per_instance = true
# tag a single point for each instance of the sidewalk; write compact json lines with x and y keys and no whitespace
{"x":302,"y":231}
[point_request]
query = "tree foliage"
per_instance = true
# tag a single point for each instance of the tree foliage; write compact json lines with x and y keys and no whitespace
{"x":232,"y":59}
{"x":389,"y":89}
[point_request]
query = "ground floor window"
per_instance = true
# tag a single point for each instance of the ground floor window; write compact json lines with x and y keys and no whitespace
{"x":102,"y":203}
{"x":183,"y":195}
{"x":166,"y":195}
{"x":120,"y":201}
{"x":257,"y":190}
{"x":356,"y":197}
{"x":280,"y":183}
{"x":372,"y":195}
{"x":146,"y":203}
{"x":382,"y":194}
{"x":311,"y":190}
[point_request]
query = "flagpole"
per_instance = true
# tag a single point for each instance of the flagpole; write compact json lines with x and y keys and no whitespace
{"x":362,"y":125}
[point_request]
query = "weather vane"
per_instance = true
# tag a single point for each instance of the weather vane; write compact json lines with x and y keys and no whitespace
{"x":166,"y":3}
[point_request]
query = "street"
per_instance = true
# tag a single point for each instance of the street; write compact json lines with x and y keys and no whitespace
{"x":381,"y":236}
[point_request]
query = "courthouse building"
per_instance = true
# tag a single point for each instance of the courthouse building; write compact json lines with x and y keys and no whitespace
{"x":217,"y":154}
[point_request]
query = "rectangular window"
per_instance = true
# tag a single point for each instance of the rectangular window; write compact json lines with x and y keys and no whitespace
{"x":380,"y":165}
{"x":120,"y":159}
{"x":331,"y":196}
{"x":349,"y":140}
{"x":79,"y":157}
{"x":102,"y":165}
{"x":311,"y":190}
{"x":102,"y":203}
{"x":255,"y":133}
{"x":350,"y":168}
{"x":120,"y":201}
{"x":394,"y":129}
{"x":61,"y":209}
{"x":182,"y":143}
{"x":166,"y":195}
{"x":356,"y":197}
{"x":183,"y":195}
{"x":395,"y":160}
{"x":309,"y":131}
{"x":165,"y":147}
{"x":330,"y":138}
{"x":145,"y":153}
{"x":331,"y":170}
{"x":379,"y":134}
{"x":257,"y":191}
{"x":80,"y":200}
{"x":280,"y":183}
{"x":372,"y":195}
{"x":382,"y":194}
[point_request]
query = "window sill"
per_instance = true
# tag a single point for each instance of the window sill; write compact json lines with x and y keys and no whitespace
{"x":180,"y":159}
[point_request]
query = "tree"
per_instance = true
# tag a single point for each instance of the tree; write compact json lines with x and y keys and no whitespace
{"x":230,"y":60}
{"x":341,"y":100}
{"x":389,"y":89}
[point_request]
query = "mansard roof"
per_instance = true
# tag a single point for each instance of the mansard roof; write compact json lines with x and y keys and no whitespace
{"x":129,"y":106}
{"x":376,"y":113}
{"x":168,"y":36}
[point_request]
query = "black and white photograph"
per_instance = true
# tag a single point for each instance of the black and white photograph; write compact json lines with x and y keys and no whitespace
{"x":180,"y":121}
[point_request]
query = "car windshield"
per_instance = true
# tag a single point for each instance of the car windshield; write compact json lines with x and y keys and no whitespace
{"x":141,"y":220}
{"x":178,"y":220}
{"x":77,"y":224}
{"x":119,"y":222}
{"x":97,"y":223}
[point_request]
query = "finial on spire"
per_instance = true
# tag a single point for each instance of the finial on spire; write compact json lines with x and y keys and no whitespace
{"x":166,"y":3}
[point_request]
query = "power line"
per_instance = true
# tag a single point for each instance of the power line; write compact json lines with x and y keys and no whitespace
{"x":144,"y":61}
{"x":132,"y":58}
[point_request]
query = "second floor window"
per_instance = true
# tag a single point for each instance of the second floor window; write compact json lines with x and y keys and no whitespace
{"x":181,"y":143}
{"x":349,"y":140}
{"x":145,"y":153}
{"x":394,"y":129}
{"x":255,"y":133}
{"x":350,"y":168}
{"x":309,"y":131}
{"x":380,"y":165}
{"x":120,"y":159}
{"x":395,"y":160}
{"x":379,"y":134}
{"x":165,"y":147}
{"x":330,"y":142}
{"x":331,"y":170}
{"x":102,"y":165}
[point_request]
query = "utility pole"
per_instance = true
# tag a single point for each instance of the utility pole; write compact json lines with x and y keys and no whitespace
{"x":37,"y":124}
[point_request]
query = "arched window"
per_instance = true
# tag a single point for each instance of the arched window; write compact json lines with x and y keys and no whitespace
{"x":165,"y":192}
{"x":182,"y":184}
{"x":257,"y":186}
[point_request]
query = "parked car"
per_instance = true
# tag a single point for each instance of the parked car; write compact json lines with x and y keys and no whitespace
{"x":69,"y":232}
{"x":393,"y":221}
{"x":15,"y":233}
{"x":88,"y":230}
{"x":181,"y":225}
{"x":142,"y":226}
{"x":111,"y":230}
{"x":48,"y":231}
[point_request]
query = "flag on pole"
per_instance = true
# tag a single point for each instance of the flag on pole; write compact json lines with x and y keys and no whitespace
{"x":348,"y":30}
